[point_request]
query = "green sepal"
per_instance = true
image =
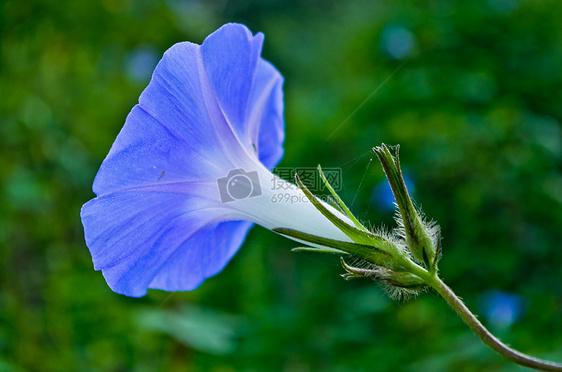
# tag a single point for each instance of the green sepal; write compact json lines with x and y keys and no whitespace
{"x":316,"y":250}
{"x":438,"y":248}
{"x":358,"y":236}
{"x":342,"y":205}
{"x":333,"y":203}
{"x":400,"y":279}
{"x":366,"y":252}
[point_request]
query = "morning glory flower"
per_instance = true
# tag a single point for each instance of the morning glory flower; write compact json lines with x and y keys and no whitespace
{"x":189,"y":173}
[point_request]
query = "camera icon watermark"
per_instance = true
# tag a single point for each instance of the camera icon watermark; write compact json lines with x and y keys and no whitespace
{"x":238,"y":185}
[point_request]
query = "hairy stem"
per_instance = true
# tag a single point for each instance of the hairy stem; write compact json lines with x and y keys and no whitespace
{"x":485,"y":335}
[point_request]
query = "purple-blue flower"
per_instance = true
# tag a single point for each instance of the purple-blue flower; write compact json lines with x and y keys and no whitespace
{"x":188,"y":174}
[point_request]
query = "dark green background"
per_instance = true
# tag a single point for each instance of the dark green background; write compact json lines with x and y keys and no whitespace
{"x":476,"y":107}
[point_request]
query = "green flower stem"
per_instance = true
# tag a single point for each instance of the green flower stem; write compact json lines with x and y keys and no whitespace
{"x":484,"y":334}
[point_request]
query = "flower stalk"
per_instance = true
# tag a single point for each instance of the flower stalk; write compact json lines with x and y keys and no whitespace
{"x":486,"y":336}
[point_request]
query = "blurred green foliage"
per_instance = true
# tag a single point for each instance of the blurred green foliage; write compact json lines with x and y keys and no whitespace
{"x":475,"y":102}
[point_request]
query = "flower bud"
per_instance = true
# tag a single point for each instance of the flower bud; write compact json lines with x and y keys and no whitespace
{"x":422,"y":237}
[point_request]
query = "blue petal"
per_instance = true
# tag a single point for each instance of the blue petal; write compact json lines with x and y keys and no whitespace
{"x":136,"y":218}
{"x":231,"y":55}
{"x":267,"y":114}
{"x":180,"y":98}
{"x":248,"y":90}
{"x":187,"y":268}
{"x":178,"y":132}
{"x":148,"y":153}
{"x":153,"y":235}
{"x":158,"y":217}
